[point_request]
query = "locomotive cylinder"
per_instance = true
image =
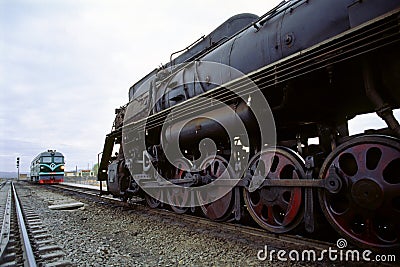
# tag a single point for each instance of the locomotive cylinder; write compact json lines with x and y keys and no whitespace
{"x":193,"y":130}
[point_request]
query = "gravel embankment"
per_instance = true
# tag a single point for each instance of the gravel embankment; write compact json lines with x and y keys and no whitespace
{"x":100,"y":235}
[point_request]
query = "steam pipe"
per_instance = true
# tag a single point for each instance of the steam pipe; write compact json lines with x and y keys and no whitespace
{"x":381,"y":108}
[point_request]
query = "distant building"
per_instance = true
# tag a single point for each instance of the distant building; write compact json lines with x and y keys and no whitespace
{"x":79,"y":173}
{"x":70,"y":173}
{"x":85,"y":173}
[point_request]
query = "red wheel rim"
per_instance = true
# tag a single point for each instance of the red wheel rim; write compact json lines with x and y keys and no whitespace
{"x":367,"y":208}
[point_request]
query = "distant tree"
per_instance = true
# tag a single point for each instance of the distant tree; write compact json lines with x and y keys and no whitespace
{"x":95,"y":169}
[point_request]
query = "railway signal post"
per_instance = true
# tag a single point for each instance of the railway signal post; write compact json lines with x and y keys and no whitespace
{"x":17,"y":168}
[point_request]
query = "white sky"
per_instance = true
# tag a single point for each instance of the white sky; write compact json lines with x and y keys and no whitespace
{"x":65,"y":66}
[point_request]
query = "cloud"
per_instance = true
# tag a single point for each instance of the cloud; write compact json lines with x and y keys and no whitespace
{"x":66,"y":65}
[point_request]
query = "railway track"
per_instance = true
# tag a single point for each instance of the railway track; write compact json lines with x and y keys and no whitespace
{"x":256,"y":235}
{"x":24,"y":240}
{"x":253,"y":237}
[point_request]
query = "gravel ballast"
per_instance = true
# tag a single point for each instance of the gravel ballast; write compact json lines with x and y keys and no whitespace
{"x":103,"y":235}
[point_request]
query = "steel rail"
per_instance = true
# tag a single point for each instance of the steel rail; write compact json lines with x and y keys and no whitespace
{"x":284,"y":240}
{"x":30,"y":257}
{"x":6,"y":226}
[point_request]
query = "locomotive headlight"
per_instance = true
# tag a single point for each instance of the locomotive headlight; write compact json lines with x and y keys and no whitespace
{"x":41,"y":167}
{"x":62,"y":167}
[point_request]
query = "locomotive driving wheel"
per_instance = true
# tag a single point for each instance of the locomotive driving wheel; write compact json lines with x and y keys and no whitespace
{"x":367,"y":208}
{"x":179,"y":197}
{"x":277,"y":209}
{"x":221,"y":209}
{"x":152,"y":202}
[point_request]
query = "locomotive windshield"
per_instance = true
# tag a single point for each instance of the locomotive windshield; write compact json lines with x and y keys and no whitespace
{"x":55,"y":159}
{"x":58,"y":159}
{"x":46,"y":159}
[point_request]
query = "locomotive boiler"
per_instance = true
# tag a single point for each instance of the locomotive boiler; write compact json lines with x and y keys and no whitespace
{"x":229,"y":122}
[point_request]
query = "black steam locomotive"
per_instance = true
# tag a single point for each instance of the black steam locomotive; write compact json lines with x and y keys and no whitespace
{"x":229,"y":122}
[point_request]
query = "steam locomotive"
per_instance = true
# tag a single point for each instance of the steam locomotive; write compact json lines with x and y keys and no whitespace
{"x":255,"y":115}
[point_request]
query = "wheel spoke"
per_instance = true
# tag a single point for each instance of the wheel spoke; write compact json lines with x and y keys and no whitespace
{"x":281,"y":202}
{"x":282,"y":164}
{"x":389,"y":155}
{"x":257,"y":208}
{"x":360,"y":156}
{"x":379,"y":172}
{"x":264,"y":164}
{"x":270,"y":218}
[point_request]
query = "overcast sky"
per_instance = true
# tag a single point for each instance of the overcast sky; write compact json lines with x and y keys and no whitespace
{"x":66,"y":65}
